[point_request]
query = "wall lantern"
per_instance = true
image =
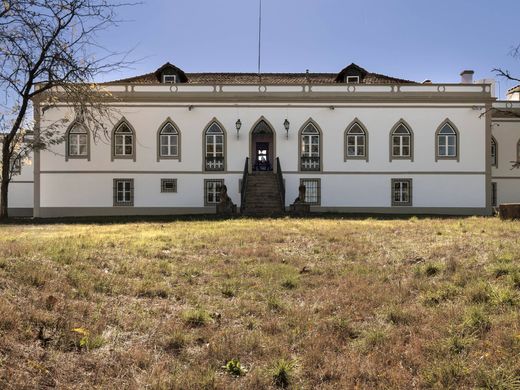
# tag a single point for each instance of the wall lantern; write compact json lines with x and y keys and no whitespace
{"x":286,"y":124}
{"x":238,"y":125}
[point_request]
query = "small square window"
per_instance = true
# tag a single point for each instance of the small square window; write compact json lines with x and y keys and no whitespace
{"x":352,"y":79}
{"x":212,"y":191}
{"x":312,"y":191}
{"x":123,"y":192}
{"x":401,"y":192}
{"x":168,"y":185}
{"x":169,"y":79}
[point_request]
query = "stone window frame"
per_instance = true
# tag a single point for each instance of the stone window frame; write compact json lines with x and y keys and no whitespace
{"x":68,"y":155}
{"x":206,"y":181}
{"x":409,"y":202}
{"x":115,"y":156}
{"x":167,"y":181}
{"x":494,"y":156}
{"x":118,"y":203}
{"x":308,"y":122}
{"x":160,"y":157}
{"x":318,"y":189}
{"x":204,"y":146}
{"x":457,"y":141}
{"x":391,"y":143}
{"x":357,"y":122}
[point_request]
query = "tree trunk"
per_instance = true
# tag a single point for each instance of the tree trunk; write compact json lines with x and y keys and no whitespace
{"x":4,"y":187}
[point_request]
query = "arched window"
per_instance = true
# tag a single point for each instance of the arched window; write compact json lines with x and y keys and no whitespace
{"x":310,"y":155}
{"x":77,"y":142}
{"x":401,"y":142}
{"x":494,"y":152}
{"x":123,"y":142}
{"x":356,"y":145}
{"x":214,"y":147}
{"x":169,"y":145}
{"x":447,"y":142}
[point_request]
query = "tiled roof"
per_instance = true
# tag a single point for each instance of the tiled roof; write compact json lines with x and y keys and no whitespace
{"x":264,"y":78}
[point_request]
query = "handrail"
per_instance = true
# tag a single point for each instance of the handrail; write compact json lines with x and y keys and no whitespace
{"x":281,"y":185}
{"x":243,"y":188}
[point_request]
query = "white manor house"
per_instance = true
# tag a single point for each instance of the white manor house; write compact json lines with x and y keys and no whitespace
{"x":360,"y":142}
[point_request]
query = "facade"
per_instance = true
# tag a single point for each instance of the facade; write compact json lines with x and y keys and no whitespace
{"x":359,"y":141}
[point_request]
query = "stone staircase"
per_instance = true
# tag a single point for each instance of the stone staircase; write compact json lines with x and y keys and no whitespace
{"x":263,"y":196}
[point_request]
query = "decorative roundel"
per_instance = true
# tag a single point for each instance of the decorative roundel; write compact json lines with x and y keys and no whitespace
{"x":486,"y":88}
{"x":173,"y":88}
{"x":262,"y":88}
{"x":351,"y":88}
{"x":441,"y":88}
{"x":509,"y":105}
{"x":396,"y":88}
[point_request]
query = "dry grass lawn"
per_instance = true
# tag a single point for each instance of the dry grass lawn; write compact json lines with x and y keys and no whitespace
{"x":253,"y":304}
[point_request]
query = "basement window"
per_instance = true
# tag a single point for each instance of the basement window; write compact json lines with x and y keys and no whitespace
{"x":168,"y":185}
{"x":312,"y":191}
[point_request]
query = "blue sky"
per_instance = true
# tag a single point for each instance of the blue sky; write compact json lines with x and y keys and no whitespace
{"x":411,"y":39}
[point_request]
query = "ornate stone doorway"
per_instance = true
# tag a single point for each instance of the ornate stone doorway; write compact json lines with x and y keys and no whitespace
{"x":262,"y":147}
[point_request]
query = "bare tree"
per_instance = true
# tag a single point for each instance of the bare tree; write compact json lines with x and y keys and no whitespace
{"x":47,"y":56}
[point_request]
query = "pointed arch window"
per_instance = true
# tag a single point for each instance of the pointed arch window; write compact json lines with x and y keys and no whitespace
{"x":214,"y":147}
{"x":401,"y":139}
{"x":310,"y":147}
{"x":447,"y":142}
{"x":494,"y":152}
{"x":77,"y":142}
{"x":356,"y":142}
{"x":123,"y":142}
{"x":169,"y":142}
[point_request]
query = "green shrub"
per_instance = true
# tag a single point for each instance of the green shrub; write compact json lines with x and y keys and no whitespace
{"x":282,"y":372}
{"x":290,"y":283}
{"x":397,"y":316}
{"x":432,"y":269}
{"x":229,"y":290}
{"x":175,"y":342}
{"x":234,"y":368}
{"x":479,"y":293}
{"x":476,"y":321}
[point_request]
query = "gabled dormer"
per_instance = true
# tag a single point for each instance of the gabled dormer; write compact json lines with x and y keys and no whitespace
{"x":170,"y":74}
{"x":352,"y":74}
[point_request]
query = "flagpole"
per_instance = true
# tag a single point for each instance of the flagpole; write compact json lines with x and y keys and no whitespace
{"x":259,"y":36}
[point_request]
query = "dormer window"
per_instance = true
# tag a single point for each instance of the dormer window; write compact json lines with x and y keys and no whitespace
{"x":169,"y":78}
{"x":352,"y":79}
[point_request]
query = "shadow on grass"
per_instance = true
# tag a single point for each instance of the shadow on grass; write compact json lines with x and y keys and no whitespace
{"x":112,"y":220}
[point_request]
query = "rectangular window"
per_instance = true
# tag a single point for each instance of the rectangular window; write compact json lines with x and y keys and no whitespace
{"x":494,"y":199}
{"x":312,"y":191}
{"x":123,"y":192}
{"x":494,"y":161}
{"x":212,"y":191}
{"x":168,"y":185}
{"x":16,"y":166}
{"x":169,"y":79}
{"x":352,"y":79}
{"x":401,"y":192}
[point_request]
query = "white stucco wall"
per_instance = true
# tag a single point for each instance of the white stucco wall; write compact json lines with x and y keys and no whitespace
{"x":442,"y":184}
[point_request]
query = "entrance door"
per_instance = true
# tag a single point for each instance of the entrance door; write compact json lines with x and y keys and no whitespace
{"x":262,"y":162}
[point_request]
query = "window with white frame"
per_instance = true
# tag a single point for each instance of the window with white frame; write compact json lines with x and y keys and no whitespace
{"x":447,"y":142}
{"x":123,"y":192}
{"x":494,"y":152}
{"x":212,"y":189}
{"x":356,"y":142}
{"x":401,"y":142}
{"x":312,"y":190}
{"x":168,"y":185}
{"x":352,"y":79}
{"x":401,"y":192}
{"x":124,"y":142}
{"x":169,"y":141}
{"x":169,"y":78}
{"x":16,"y":165}
{"x":214,"y":146}
{"x":310,"y":148}
{"x":77,"y":140}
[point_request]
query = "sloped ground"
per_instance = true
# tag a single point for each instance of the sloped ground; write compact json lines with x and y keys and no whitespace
{"x":317,"y":303}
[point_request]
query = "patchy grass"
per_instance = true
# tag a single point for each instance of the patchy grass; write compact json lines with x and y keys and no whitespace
{"x":297,"y":303}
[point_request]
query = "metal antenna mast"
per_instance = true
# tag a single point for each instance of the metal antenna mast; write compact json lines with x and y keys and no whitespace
{"x":259,"y":36}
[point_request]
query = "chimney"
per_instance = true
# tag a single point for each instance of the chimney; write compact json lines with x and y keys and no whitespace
{"x":466,"y":76}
